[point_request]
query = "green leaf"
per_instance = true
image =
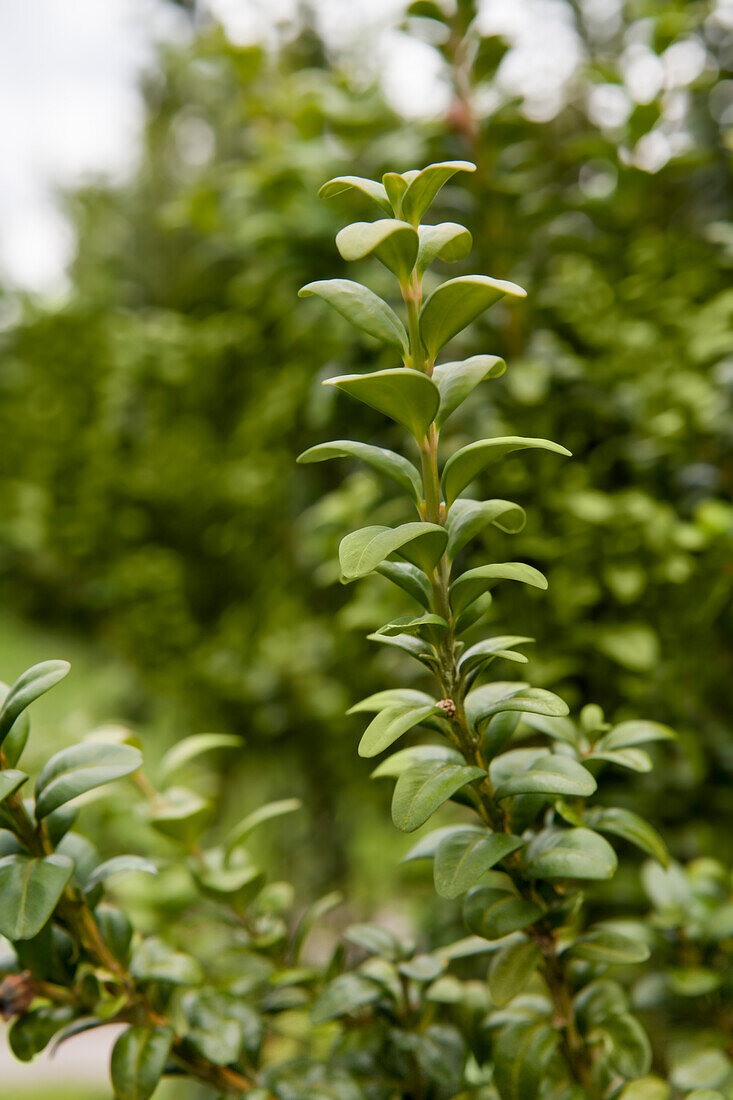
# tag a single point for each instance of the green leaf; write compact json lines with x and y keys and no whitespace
{"x":428,"y":845}
{"x":391,"y":724}
{"x":258,"y":817}
{"x":341,"y":184}
{"x":362,"y":551}
{"x":119,"y":865}
{"x":702,"y":1069}
{"x":375,"y":941}
{"x":215,"y":879}
{"x":392,"y":697}
{"x":156,"y":961}
{"x":179,"y":813}
{"x":27,"y":688}
{"x":456,"y":380}
{"x":606,"y":945}
{"x":697,"y":981}
{"x":409,"y":579}
{"x":468,"y":517}
{"x":494,"y":913}
{"x":447,"y":241}
{"x":521,"y":1054}
{"x":10,"y":781}
{"x":81,"y":768}
{"x":420,"y":791}
{"x":462,"y":858}
{"x":628,"y":734}
{"x":480,"y":702}
{"x":423,"y":187}
{"x":510,"y":970}
{"x":652,"y":1088}
{"x":400,"y":761}
{"x":138,"y":1061}
{"x":474,"y":582}
{"x":550,"y":775}
{"x":395,"y":185}
{"x":525,"y":700}
{"x":630,"y":1052}
{"x":394,"y":243}
{"x":191,"y":747}
{"x":431,"y":628}
{"x":383,"y":461}
{"x":571,"y":853}
{"x":415,"y":647}
{"x":407,"y":396}
{"x":635,"y":760}
{"x":362,"y":307}
{"x":31,"y":1032}
{"x":456,"y":303}
{"x":477,"y":655}
{"x":343,"y":996}
{"x":631,"y":827}
{"x":462,"y":467}
{"x":30,"y":890}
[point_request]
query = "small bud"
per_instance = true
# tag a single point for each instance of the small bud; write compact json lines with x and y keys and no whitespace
{"x":448,"y":706}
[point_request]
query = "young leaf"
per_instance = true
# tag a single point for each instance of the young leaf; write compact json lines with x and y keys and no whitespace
{"x":494,"y":913}
{"x":628,"y":734}
{"x":392,"y":697}
{"x":191,"y":747}
{"x":27,"y":688}
{"x":521,"y":1055}
{"x":10,"y":781}
{"x":409,"y":579}
{"x":571,"y":853}
{"x":479,"y":654}
{"x":407,"y":396}
{"x":463,"y":857}
{"x":420,"y":791}
{"x":383,"y":461}
{"x":340,"y":184}
{"x":510,"y":970}
{"x":448,"y":241}
{"x":462,"y":467}
{"x":362,"y":551}
{"x":81,"y":768}
{"x":179,"y":814}
{"x":467,"y":517}
{"x":362,"y":307}
{"x":30,"y":890}
{"x":138,"y":1060}
{"x":550,"y":775}
{"x":456,"y":380}
{"x":394,"y":243}
{"x":391,"y":724}
{"x":454,"y":304}
{"x":426,"y":184}
{"x":395,"y":185}
{"x":631,"y":827}
{"x":119,"y":865}
{"x":474,"y":582}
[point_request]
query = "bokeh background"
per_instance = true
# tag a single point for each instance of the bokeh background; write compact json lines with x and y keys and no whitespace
{"x":158,"y":376}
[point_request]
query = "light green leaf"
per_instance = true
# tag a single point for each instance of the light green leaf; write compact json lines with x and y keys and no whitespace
{"x":138,"y":1061}
{"x":391,"y":724}
{"x":395,"y":185}
{"x":702,"y":1069}
{"x":119,"y":865}
{"x":636,"y":760}
{"x":448,"y":241}
{"x":694,"y":981}
{"x":191,"y":747}
{"x":510,"y":970}
{"x":571,"y":853}
{"x":156,"y":961}
{"x":375,"y":940}
{"x":362,"y":307}
{"x":10,"y":781}
{"x":403,"y":759}
{"x":606,"y":945}
{"x":521,"y":1055}
{"x":456,"y":380}
{"x":631,"y":827}
{"x":550,"y":775}
{"x":466,"y":464}
{"x":468,"y":517}
{"x":527,"y":701}
{"x":475,"y":582}
{"x":477,"y":655}
{"x":481,"y":700}
{"x":628,"y":734}
{"x":383,"y":461}
{"x":650,"y":1088}
{"x":81,"y":768}
{"x":362,"y":551}
{"x":394,"y":243}
{"x":630,"y":1052}
{"x":341,"y":184}
{"x":462,"y":858}
{"x":428,"y":845}
{"x":409,"y":579}
{"x":343,"y":996}
{"x":456,"y":303}
{"x":423,"y":187}
{"x":392,"y":697}
{"x":179,"y":814}
{"x":259,"y":816}
{"x":494,"y":913}
{"x":30,"y":889}
{"x":420,"y":791}
{"x":429,"y":627}
{"x":33,"y":683}
{"x":407,"y":396}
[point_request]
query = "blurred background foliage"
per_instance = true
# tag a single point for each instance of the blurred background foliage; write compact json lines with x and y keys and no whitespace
{"x":149,"y":500}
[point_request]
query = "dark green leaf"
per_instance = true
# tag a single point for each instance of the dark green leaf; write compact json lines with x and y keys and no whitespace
{"x":474,"y":582}
{"x":81,"y":768}
{"x":571,"y":853}
{"x":420,"y":791}
{"x":10,"y":781}
{"x":521,"y":1055}
{"x":493,"y":913}
{"x":407,"y":396}
{"x":477,"y":655}
{"x":630,"y":1052}
{"x":456,"y":380}
{"x":454,"y":304}
{"x":30,"y":890}
{"x":391,"y":724}
{"x":462,"y":467}
{"x":463,"y":857}
{"x":550,"y":775}
{"x":631,"y":827}
{"x":468,"y":517}
{"x":427,"y":845}
{"x":362,"y":307}
{"x":384,"y":462}
{"x":138,"y":1060}
{"x":606,"y":945}
{"x":400,"y":761}
{"x":392,"y":697}
{"x":394,"y":243}
{"x":361,"y":552}
{"x":510,"y":970}
{"x":31,"y":1033}
{"x":628,"y":734}
{"x":344,"y":996}
{"x":409,"y":579}
{"x":28,"y":687}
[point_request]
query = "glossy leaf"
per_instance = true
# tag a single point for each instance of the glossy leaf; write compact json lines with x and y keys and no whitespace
{"x":119,"y":865}
{"x":474,"y":582}
{"x":462,"y":858}
{"x":36,"y":681}
{"x":403,"y":759}
{"x":447,"y":241}
{"x":407,"y":396}
{"x":409,"y":578}
{"x":362,"y":307}
{"x":341,"y":184}
{"x":510,"y":970}
{"x":423,"y":188}
{"x":631,"y":827}
{"x":138,"y":1061}
{"x":394,"y":243}
{"x":571,"y":853}
{"x":456,"y":380}
{"x":392,"y":697}
{"x":521,"y":1055}
{"x":10,"y":781}
{"x":478,"y":654}
{"x":550,"y":775}
{"x":468,"y":517}
{"x":81,"y":768}
{"x":628,"y":734}
{"x":466,"y":464}
{"x":391,"y":724}
{"x":385,"y":462}
{"x":635,"y":760}
{"x":456,"y":303}
{"x":420,"y":791}
{"x":494,"y":912}
{"x":362,"y":551}
{"x":525,"y":700}
{"x":30,"y":889}
{"x":190,"y":748}
{"x":606,"y":945}
{"x":428,"y":845}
